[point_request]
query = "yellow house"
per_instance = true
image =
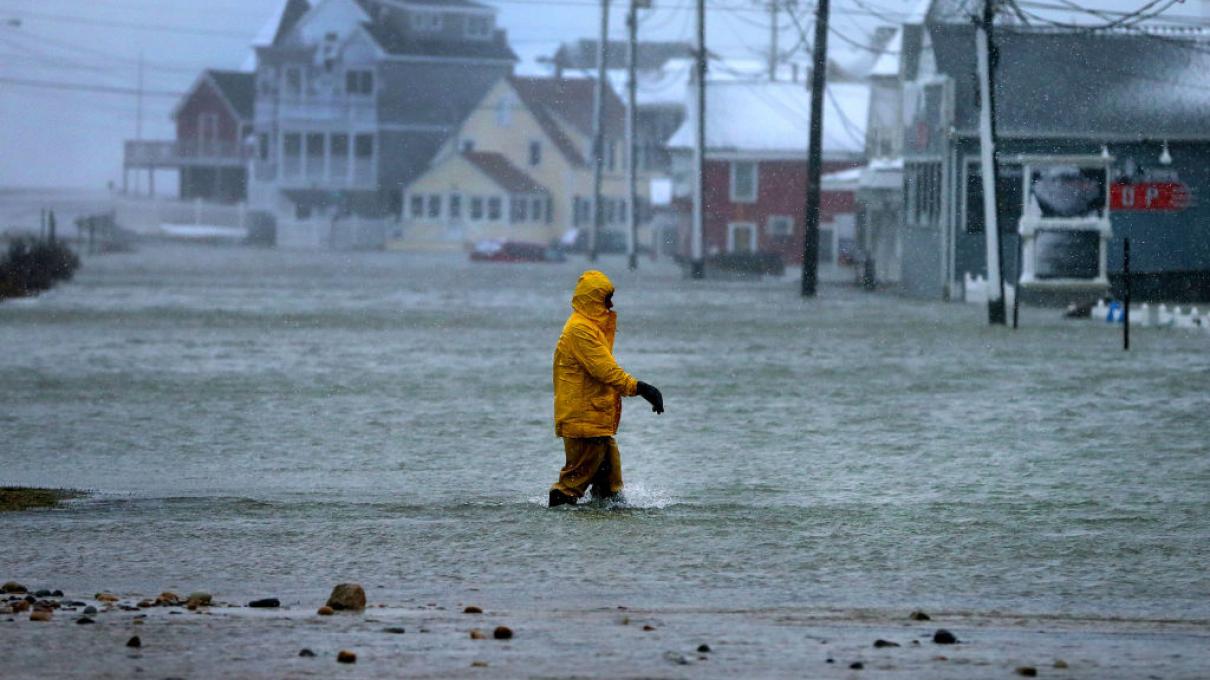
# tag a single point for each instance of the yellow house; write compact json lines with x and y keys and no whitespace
{"x":519,"y":168}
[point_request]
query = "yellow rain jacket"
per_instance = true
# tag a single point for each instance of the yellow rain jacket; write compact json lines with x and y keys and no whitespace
{"x":589,"y":384}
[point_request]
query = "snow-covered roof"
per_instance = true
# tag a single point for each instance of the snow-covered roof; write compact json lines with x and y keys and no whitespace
{"x":764,"y":118}
{"x":888,"y":62}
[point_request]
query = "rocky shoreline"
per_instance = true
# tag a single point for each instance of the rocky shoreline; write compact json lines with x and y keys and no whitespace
{"x":199,"y":635}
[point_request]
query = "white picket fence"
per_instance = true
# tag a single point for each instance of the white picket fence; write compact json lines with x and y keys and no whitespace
{"x":166,"y":217}
{"x":1158,"y":316}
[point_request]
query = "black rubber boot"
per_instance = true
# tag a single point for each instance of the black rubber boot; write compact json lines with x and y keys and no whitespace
{"x":559,"y":498}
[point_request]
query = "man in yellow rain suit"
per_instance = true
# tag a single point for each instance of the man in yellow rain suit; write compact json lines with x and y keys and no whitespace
{"x":589,"y":386}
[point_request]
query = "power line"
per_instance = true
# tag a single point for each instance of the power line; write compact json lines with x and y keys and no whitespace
{"x":86,"y":87}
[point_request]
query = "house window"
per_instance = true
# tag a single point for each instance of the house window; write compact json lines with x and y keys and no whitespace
{"x":291,"y":154}
{"x":518,"y":209}
{"x":427,"y":22}
{"x":476,"y":208}
{"x":504,"y":111}
{"x":338,"y":155}
{"x":608,"y":204}
{"x":494,"y":208}
{"x":478,"y":27}
{"x":535,"y":209}
{"x":611,"y":153}
{"x":315,"y":154}
{"x":468,"y":145}
{"x":434,"y":206}
{"x":294,"y":84}
{"x":364,"y":146}
{"x":535,"y":153}
{"x":262,"y":146}
{"x":455,"y":206}
{"x":743,"y":182}
{"x":359,"y":83}
{"x":780,"y":226}
{"x":416,"y":206}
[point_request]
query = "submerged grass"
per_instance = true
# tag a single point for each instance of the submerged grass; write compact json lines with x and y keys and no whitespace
{"x":16,"y":498}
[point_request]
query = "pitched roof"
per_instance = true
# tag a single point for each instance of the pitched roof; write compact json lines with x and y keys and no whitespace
{"x":569,"y":100}
{"x":1059,"y":83}
{"x":501,"y":171}
{"x":284,"y":18}
{"x":396,"y":42}
{"x":582,"y":54}
{"x":239,"y":88}
{"x":774,"y":118}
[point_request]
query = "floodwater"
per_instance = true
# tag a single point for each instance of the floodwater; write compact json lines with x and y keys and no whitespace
{"x":261,"y":423}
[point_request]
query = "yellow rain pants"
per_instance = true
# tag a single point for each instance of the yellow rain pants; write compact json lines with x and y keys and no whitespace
{"x":591,"y":461}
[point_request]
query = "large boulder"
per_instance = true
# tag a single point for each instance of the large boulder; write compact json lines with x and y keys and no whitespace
{"x":347,"y":596}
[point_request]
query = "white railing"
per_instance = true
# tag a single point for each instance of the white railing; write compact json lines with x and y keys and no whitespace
{"x":167,"y":153}
{"x":151,"y":216}
{"x":328,"y":109}
{"x":325,"y":233}
{"x":1160,"y":316}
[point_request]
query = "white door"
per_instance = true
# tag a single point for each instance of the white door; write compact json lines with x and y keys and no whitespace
{"x":741,"y":237}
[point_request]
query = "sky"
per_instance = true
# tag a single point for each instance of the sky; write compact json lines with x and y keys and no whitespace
{"x":69,"y":69}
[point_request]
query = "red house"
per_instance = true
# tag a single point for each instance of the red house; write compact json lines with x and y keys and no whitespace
{"x":213,"y":122}
{"x":756,"y":170}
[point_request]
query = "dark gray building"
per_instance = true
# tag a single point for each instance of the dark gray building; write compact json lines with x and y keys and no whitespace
{"x":1142,"y":96}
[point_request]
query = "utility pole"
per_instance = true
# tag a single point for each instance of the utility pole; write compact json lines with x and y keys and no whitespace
{"x":598,"y":135}
{"x":819,"y":80}
{"x":985,"y":55}
{"x":697,"y":265}
{"x":773,"y":9}
{"x":138,"y":114}
{"x":632,"y":160}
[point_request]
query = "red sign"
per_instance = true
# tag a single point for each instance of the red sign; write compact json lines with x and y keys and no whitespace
{"x":1149,"y":196}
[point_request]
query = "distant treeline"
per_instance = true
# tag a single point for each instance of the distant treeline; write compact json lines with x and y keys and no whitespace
{"x":33,"y":265}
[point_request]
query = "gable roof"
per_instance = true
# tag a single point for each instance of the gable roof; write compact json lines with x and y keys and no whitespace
{"x":239,"y":88}
{"x":397,"y":43}
{"x":773,"y":118}
{"x":501,"y":171}
{"x":279,"y":24}
{"x":1108,"y":85}
{"x":569,"y":100}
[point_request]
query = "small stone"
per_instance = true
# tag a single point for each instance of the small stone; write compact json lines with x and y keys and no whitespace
{"x":944,"y":637}
{"x":90,"y":610}
{"x":857,"y":665}
{"x":472,"y":609}
{"x":625,"y":621}
{"x":830,"y":660}
{"x":199,"y":599}
{"x":56,"y":593}
{"x":919,"y":616}
{"x":85,"y":620}
{"x":134,"y":642}
{"x":394,"y":630}
{"x":941,"y":658}
{"x":477,"y":634}
{"x":703,"y":648}
{"x":106,"y":597}
{"x":1059,"y":663}
{"x":306,"y":652}
{"x":19,"y":606}
{"x":265,"y":603}
{"x":345,"y":656}
{"x":191,"y":606}
{"x":478,"y":664}
{"x":880,"y":643}
{"x":503,"y":633}
{"x":31,"y":599}
{"x":347,"y":596}
{"x":6,"y":610}
{"x":1027,"y":671}
{"x":13,"y":587}
{"x":137,"y":622}
{"x":325,"y":611}
{"x":648,"y":627}
{"x":39,"y":615}
{"x":43,"y":593}
{"x":915,"y":643}
{"x":144,"y":604}
{"x":168,"y":599}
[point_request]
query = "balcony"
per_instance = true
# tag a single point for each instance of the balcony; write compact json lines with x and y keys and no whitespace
{"x":185,"y":153}
{"x":328,"y":109}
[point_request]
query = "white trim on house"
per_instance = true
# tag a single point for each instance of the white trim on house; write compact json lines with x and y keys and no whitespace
{"x":733,"y":227}
{"x":786,"y":219}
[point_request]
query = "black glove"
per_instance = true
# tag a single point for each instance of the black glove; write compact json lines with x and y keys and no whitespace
{"x":652,"y":395}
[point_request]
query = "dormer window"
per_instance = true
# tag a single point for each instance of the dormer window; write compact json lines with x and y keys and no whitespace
{"x":427,"y":22}
{"x":479,"y":28}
